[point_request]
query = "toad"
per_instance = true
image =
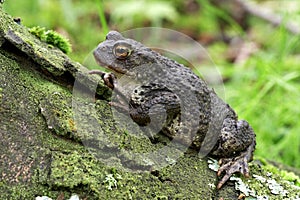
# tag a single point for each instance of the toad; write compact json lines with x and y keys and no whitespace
{"x":168,"y":93}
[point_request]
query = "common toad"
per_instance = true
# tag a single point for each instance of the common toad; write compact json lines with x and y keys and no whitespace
{"x":168,"y":93}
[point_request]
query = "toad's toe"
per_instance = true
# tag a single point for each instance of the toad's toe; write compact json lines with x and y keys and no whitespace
{"x":231,"y":166}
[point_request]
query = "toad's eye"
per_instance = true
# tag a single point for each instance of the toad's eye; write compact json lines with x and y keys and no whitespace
{"x":122,"y":50}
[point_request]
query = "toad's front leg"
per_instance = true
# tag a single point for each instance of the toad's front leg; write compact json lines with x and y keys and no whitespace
{"x":110,"y":80}
{"x":236,"y":145}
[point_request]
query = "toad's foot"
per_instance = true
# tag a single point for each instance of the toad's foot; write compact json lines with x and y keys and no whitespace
{"x":231,"y":166}
{"x":109,"y":79}
{"x":236,"y":164}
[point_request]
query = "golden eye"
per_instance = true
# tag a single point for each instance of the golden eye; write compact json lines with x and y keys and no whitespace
{"x":122,"y":50}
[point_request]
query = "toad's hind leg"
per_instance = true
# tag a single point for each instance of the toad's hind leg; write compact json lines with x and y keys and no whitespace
{"x":236,"y":164}
{"x":235,"y":149}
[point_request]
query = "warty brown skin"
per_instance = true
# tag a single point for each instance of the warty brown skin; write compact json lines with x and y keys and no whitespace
{"x":163,"y":90}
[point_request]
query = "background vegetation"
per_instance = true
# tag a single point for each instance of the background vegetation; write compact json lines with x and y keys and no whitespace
{"x":259,"y":63}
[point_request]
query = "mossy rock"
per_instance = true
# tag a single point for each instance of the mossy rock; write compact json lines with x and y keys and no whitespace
{"x":45,"y":151}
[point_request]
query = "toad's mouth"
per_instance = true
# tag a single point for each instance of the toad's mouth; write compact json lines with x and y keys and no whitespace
{"x":116,"y":69}
{"x":113,"y":67}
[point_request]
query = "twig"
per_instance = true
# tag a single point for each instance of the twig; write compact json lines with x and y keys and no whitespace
{"x":269,"y":16}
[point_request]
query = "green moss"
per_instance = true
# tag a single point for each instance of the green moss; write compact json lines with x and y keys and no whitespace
{"x":21,"y":117}
{"x":289,"y":176}
{"x":57,"y":111}
{"x":268,"y":182}
{"x":52,"y":38}
{"x":284,"y":174}
{"x":72,"y":169}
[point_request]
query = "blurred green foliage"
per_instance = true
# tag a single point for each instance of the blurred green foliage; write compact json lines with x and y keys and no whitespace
{"x":263,"y":89}
{"x":129,"y":12}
